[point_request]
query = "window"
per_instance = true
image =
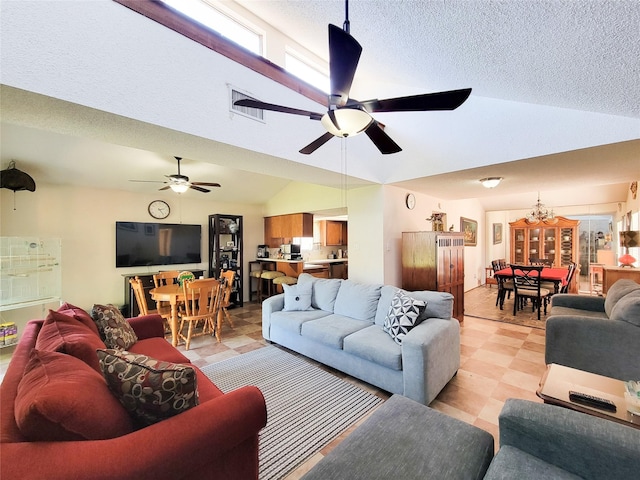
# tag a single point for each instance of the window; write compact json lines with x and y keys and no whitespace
{"x":305,"y":71}
{"x":226,"y":26}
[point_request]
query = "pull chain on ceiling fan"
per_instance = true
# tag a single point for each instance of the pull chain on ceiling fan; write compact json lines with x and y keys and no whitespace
{"x":346,"y":116}
{"x":180,"y":183}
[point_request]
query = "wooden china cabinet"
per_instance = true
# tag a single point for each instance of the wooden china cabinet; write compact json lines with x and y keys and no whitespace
{"x":555,"y":240}
{"x":435,"y":261}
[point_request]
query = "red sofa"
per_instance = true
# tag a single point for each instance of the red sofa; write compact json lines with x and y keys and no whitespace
{"x":217,"y":439}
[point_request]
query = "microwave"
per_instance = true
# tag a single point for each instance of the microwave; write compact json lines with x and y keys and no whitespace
{"x":290,"y":248}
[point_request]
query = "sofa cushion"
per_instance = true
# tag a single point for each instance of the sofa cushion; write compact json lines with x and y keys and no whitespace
{"x":297,"y":297}
{"x":357,"y":300}
{"x":511,"y":463}
{"x":628,"y":308}
{"x":79,"y":314}
{"x":375,"y":345}
{"x":564,"y":311}
{"x":332,"y":329}
{"x":439,"y":304}
{"x":61,"y":398}
{"x":158,"y":348}
{"x":150,"y":390}
{"x":404,"y":314}
{"x":323,"y":291}
{"x":114,"y":329}
{"x":618,"y":290}
{"x":65,"y":334}
{"x":293,"y":321}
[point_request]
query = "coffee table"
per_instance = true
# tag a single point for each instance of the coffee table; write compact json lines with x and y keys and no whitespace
{"x":558,"y":380}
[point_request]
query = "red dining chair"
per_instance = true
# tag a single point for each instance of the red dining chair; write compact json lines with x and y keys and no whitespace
{"x":526,"y":286}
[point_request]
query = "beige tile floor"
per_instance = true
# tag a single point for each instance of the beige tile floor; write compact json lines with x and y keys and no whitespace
{"x":498,"y":361}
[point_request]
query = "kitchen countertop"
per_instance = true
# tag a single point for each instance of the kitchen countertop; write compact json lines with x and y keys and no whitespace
{"x":322,"y":261}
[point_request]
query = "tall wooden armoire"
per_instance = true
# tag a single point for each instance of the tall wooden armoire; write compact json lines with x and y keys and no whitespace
{"x":435,"y":261}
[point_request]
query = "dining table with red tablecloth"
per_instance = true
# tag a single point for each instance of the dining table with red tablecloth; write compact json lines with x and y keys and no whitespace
{"x":557,"y":275}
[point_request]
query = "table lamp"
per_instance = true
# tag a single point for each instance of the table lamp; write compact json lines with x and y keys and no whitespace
{"x":628,"y":239}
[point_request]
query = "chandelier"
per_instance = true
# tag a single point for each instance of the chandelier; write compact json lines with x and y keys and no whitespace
{"x":540,"y":213}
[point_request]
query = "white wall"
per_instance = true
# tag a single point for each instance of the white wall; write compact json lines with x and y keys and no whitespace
{"x":85,"y":221}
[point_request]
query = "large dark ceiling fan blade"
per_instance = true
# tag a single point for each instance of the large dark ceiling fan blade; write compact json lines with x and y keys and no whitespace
{"x":381,"y":140}
{"x":344,"y":54}
{"x":147,"y":181}
{"x":200,"y":189}
{"x":247,"y":102}
{"x":206,"y":184}
{"x":449,"y":100}
{"x":317,"y":143}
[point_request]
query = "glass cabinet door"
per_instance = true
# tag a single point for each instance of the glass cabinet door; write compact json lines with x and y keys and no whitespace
{"x":549,"y":252}
{"x":519,"y":247}
{"x":535,"y":243}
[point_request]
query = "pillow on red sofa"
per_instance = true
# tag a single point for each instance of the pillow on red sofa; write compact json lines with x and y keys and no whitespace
{"x":150,"y":390}
{"x":60,"y":398}
{"x":62,"y":333}
{"x":114,"y":329}
{"x":79,"y":314}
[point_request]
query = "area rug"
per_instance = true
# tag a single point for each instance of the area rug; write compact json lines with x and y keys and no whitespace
{"x":480,"y":302}
{"x":307,"y":407}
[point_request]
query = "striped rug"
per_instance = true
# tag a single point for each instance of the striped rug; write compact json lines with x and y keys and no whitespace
{"x":307,"y":407}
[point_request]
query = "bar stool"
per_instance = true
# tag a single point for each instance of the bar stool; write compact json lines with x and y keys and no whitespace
{"x":284,"y":280}
{"x":267,"y":276}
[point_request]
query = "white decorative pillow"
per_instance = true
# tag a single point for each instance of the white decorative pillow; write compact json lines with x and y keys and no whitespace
{"x":297,"y":297}
{"x":404,"y":314}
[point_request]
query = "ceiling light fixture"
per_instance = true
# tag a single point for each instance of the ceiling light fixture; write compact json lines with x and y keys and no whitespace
{"x":348,"y":122}
{"x":540,"y":213}
{"x":179,"y":187}
{"x":490,"y":182}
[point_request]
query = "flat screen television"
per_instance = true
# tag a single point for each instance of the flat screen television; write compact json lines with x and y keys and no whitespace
{"x":141,"y":244}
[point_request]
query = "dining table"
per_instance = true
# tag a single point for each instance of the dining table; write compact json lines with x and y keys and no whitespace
{"x":174,"y":294}
{"x":557,"y":275}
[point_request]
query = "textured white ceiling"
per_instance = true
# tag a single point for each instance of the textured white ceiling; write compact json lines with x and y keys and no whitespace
{"x":548,"y":77}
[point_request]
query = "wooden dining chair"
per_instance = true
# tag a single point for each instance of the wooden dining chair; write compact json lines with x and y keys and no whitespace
{"x":526,"y":286}
{"x":200,"y":310}
{"x":226,"y":277}
{"x":505,"y":286}
{"x":566,"y":286}
{"x":141,"y":300}
{"x":165,"y":278}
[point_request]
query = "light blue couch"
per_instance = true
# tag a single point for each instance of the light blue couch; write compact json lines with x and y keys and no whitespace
{"x":343,"y":330}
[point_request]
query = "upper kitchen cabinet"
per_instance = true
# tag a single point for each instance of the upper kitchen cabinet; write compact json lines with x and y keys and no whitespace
{"x":332,"y":232}
{"x":281,"y":229}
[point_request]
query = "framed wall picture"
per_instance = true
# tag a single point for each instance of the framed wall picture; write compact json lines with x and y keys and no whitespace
{"x":497,"y":233}
{"x":469,"y":229}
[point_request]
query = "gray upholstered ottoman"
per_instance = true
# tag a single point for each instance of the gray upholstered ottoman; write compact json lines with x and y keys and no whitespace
{"x":406,"y":440}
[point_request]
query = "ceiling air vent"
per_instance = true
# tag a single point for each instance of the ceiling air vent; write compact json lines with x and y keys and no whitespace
{"x":255,"y":113}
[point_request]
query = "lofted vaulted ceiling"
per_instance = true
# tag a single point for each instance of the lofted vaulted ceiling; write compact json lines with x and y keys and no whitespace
{"x":555,"y":102}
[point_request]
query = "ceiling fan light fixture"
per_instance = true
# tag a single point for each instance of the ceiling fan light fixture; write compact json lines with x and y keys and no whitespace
{"x":490,"y":182}
{"x":179,"y":187}
{"x":352,"y":121}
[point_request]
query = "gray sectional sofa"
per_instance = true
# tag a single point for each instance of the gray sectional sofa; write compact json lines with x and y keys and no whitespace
{"x":596,"y":334}
{"x":343,"y":329}
{"x":408,"y":441}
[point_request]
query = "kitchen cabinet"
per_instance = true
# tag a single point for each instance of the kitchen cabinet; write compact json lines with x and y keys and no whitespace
{"x":333,"y":232}
{"x":555,"y":240}
{"x":281,"y":229}
{"x":225,"y":251}
{"x":435,"y":261}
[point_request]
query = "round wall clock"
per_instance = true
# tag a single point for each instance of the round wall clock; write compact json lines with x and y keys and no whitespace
{"x":159,"y":209}
{"x":410,"y":201}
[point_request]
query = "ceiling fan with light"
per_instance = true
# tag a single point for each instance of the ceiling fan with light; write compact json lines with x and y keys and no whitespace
{"x":180,"y":183}
{"x":346,"y":116}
